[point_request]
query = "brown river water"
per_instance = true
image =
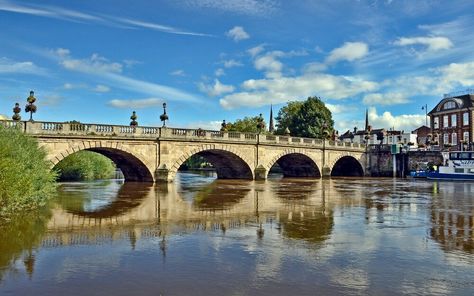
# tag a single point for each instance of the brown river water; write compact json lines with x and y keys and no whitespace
{"x":202,"y":236}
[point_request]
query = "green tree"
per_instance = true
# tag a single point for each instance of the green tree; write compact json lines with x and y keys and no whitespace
{"x":310,"y":118}
{"x":85,"y":165}
{"x":26,"y":180}
{"x":246,"y":125}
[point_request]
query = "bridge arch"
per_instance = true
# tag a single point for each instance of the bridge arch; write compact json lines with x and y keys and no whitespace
{"x":132,"y":167}
{"x":347,"y":166}
{"x":295,"y":163}
{"x":228,"y":162}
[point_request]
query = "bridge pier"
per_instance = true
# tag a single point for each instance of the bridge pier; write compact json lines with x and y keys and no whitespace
{"x":260,"y":173}
{"x":326,"y":172}
{"x":162,"y":174}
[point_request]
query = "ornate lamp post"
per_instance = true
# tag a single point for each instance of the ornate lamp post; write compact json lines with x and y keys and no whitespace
{"x":16,"y":112}
{"x":260,"y":123}
{"x":31,"y":107}
{"x":164,"y":116}
{"x":134,"y":121}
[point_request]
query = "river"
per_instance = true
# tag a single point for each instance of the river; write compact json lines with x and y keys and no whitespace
{"x":202,"y":236}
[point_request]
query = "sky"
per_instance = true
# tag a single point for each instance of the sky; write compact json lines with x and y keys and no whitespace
{"x":96,"y":61}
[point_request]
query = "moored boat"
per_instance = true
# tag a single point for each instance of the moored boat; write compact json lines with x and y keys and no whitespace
{"x":459,"y":166}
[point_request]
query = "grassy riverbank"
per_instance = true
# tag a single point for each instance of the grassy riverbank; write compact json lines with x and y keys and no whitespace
{"x":26,"y":180}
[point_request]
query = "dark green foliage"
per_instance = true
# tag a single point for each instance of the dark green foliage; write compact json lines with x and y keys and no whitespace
{"x":195,"y":162}
{"x":246,"y":125}
{"x":310,"y":118}
{"x":26,"y":180}
{"x":85,"y":165}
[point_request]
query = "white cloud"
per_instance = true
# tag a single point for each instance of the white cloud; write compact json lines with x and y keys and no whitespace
{"x":432,"y":43}
{"x":8,"y":66}
{"x":457,"y":73}
{"x":269,"y":64}
{"x":51,"y":99}
{"x":385,"y":99}
{"x":95,"y":63}
{"x":219,"y":72}
{"x":406,"y":122}
{"x":237,"y":33}
{"x":256,"y":50}
{"x":282,"y":89}
{"x":340,"y":108}
{"x":215,"y":89}
{"x":213,"y":125}
{"x":350,"y":51}
{"x":232,"y":63}
{"x":68,"y":86}
{"x":101,"y":88}
{"x":178,"y":72}
{"x":438,"y":81}
{"x":247,"y":7}
{"x":110,"y":72}
{"x":159,"y":27}
{"x":81,"y":17}
{"x":314,"y":67}
{"x":135,"y":104}
{"x":130,"y":63}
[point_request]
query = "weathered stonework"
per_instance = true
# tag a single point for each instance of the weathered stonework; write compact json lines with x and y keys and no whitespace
{"x":156,"y":154}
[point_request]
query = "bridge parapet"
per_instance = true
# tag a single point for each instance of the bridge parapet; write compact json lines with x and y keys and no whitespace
{"x":64,"y":129}
{"x":39,"y":128}
{"x":251,"y":138}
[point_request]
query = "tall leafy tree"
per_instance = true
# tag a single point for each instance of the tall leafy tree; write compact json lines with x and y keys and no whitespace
{"x":245,"y":125}
{"x":310,"y":118}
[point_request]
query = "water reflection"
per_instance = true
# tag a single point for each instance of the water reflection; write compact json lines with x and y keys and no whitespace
{"x":281,"y":236}
{"x":101,"y":199}
{"x":452,"y":216}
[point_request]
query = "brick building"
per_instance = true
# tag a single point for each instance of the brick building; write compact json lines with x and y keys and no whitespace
{"x":452,"y":121}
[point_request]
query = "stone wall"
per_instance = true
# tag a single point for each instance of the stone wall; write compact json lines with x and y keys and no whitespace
{"x":381,"y":161}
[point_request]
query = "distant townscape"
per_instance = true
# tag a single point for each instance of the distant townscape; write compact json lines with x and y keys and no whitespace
{"x":450,"y":128}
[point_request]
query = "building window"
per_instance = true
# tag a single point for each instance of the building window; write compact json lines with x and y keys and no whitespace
{"x":465,"y":137}
{"x":436,"y":122}
{"x":449,"y":105}
{"x":465,"y":118}
{"x":454,"y":138}
{"x":445,"y":138}
{"x":454,"y":120}
{"x":445,"y":121}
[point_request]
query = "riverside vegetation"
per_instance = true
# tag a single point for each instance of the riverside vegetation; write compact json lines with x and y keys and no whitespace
{"x":85,"y":166}
{"x":26,"y":180}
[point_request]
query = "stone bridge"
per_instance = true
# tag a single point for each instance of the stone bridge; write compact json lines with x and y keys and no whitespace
{"x":155,"y":154}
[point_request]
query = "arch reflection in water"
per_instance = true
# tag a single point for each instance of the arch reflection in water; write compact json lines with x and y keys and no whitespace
{"x":101,"y":199}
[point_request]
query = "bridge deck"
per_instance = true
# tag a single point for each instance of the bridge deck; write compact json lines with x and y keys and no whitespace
{"x":85,"y":130}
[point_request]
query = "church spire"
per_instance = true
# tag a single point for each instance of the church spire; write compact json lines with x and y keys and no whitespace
{"x":366,"y":119}
{"x":270,"y":125}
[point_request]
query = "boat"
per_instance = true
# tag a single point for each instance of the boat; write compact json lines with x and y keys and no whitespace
{"x":458,"y":166}
{"x":420,"y":172}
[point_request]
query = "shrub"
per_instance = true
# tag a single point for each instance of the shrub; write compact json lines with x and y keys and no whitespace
{"x":26,"y":180}
{"x":85,"y":165}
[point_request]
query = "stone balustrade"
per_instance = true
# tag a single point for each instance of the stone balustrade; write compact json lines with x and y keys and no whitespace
{"x":65,"y":129}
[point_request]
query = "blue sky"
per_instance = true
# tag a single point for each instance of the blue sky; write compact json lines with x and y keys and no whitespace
{"x":209,"y":60}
